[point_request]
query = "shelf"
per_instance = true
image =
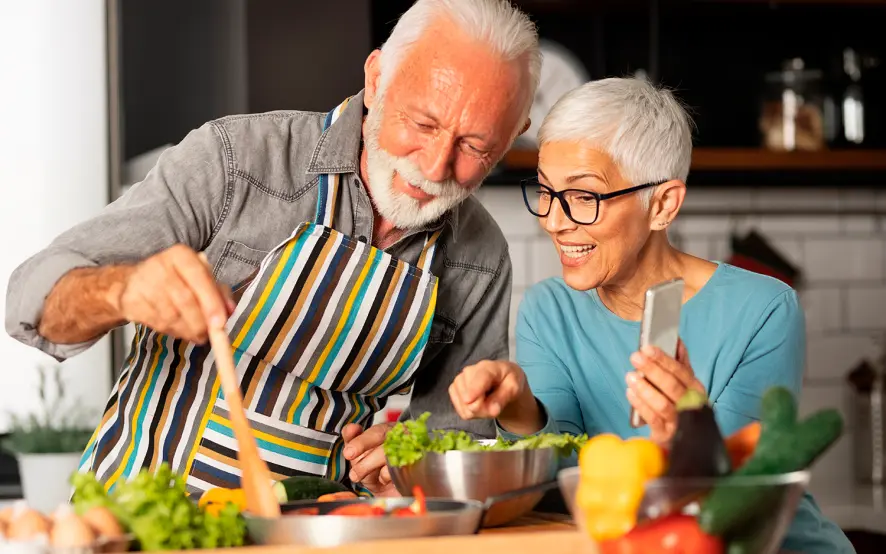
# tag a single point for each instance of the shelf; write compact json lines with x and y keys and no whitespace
{"x":751,"y":159}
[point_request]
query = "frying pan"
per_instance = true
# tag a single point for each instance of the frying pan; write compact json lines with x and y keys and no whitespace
{"x":444,"y":517}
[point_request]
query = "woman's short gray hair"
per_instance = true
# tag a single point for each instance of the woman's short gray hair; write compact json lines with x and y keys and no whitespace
{"x":507,"y":31}
{"x":643,"y":128}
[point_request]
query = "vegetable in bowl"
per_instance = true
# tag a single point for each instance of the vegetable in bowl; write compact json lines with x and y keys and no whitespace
{"x":408,"y":442}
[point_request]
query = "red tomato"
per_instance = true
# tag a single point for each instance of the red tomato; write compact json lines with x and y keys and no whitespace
{"x":677,"y":534}
{"x":365,"y":510}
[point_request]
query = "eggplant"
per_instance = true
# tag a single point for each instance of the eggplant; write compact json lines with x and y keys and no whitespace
{"x":698,"y":448}
{"x":697,"y":452}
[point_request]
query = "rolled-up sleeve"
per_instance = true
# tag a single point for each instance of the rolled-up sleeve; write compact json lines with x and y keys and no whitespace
{"x":178,"y":202}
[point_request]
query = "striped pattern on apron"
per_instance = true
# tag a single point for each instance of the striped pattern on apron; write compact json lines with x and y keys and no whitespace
{"x":327,"y":329}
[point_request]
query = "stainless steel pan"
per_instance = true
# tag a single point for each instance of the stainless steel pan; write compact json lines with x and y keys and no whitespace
{"x":444,"y":517}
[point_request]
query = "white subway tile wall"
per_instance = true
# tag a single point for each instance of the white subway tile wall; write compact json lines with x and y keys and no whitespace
{"x":842,"y":257}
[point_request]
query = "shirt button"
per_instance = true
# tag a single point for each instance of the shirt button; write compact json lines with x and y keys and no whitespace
{"x":362,"y":238}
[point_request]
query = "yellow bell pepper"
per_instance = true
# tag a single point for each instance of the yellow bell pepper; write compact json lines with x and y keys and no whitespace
{"x":213,"y":500}
{"x":613,"y":473}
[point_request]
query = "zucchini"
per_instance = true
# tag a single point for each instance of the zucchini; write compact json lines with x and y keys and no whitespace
{"x":785,"y":446}
{"x":305,"y":487}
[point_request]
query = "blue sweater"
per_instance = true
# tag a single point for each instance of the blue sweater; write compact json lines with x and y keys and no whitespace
{"x":745,"y":332}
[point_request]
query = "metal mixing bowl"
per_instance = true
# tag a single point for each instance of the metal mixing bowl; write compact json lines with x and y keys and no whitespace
{"x":782,"y":491}
{"x":481,"y":475}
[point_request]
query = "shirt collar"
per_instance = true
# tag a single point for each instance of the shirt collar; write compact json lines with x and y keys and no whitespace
{"x":338,"y":151}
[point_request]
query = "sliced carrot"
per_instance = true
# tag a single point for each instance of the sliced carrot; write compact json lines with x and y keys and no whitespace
{"x":742,"y":443}
{"x":336,"y":496}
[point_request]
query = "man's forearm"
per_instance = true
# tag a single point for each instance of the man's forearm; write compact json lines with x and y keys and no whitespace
{"x":84,"y":304}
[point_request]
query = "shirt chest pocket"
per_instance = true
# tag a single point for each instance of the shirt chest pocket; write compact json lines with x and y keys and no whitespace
{"x":238,"y":265}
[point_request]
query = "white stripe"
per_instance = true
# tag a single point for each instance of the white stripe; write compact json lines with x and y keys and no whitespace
{"x":272,"y":457}
{"x":339,"y":293}
{"x":394,"y":354}
{"x":198,"y":484}
{"x":332,"y":182}
{"x":304,"y":432}
{"x":429,"y":257}
{"x":375,"y":340}
{"x":360,"y":320}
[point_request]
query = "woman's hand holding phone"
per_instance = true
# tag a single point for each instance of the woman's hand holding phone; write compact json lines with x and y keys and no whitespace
{"x":655,"y":397}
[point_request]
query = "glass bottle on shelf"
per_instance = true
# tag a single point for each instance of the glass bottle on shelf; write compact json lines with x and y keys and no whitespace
{"x":795,"y":114}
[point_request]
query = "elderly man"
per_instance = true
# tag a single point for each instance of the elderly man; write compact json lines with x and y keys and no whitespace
{"x":346,"y":259}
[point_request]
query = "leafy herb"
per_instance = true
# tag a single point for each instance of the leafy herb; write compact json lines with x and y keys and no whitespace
{"x":156,"y":509}
{"x":408,"y":441}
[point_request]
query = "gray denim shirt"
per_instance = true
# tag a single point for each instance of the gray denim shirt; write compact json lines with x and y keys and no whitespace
{"x":238,"y":186}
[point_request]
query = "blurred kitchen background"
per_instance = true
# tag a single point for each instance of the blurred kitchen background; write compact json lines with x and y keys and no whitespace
{"x":788,"y":175}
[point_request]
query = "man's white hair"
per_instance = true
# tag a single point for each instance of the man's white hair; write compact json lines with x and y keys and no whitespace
{"x":643,"y":128}
{"x":507,"y":32}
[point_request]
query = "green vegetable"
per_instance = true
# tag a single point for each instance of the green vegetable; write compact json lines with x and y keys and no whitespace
{"x":305,"y":487}
{"x":408,"y":441}
{"x":156,"y":509}
{"x":785,"y":446}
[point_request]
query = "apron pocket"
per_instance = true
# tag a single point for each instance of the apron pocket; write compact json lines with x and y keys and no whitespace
{"x":288,"y":449}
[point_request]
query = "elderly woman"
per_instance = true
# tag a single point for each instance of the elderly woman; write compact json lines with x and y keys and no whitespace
{"x":613,"y":162}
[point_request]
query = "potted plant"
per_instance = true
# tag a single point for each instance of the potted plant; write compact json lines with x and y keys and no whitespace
{"x":48,"y":444}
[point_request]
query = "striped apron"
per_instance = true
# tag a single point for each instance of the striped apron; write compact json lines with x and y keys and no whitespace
{"x":327,"y":328}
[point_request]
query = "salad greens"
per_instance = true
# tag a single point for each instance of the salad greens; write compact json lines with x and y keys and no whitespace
{"x":156,"y":509}
{"x":408,"y":441}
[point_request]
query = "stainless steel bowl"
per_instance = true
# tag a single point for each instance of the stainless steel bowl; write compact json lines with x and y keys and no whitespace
{"x":481,"y":475}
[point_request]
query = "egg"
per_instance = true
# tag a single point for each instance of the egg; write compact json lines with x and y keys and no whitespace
{"x":102,"y":522}
{"x":27,"y":524}
{"x":6,"y":515}
{"x":69,"y":530}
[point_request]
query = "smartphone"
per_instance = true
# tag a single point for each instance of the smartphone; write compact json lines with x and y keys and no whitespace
{"x":660,"y":325}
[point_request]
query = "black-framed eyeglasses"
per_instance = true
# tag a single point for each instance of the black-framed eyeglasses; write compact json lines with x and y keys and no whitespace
{"x":580,"y":206}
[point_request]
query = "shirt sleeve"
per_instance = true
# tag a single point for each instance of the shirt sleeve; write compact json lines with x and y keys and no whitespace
{"x":775,"y":356}
{"x":483,"y":336}
{"x":550,"y":381}
{"x":178,"y":202}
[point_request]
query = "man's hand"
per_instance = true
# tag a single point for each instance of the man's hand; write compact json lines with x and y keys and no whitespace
{"x":671,"y":378}
{"x":173,"y":292}
{"x":496,"y":389}
{"x":364,"y":449}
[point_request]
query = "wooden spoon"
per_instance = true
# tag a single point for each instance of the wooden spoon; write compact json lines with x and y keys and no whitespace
{"x":255,"y":476}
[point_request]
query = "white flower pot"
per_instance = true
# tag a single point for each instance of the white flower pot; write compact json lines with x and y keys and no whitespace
{"x":46,"y":479}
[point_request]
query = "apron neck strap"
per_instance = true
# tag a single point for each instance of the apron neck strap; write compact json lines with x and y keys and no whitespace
{"x":328,"y":184}
{"x":427,"y":253}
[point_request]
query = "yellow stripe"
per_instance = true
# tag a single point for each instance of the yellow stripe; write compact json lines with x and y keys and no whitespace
{"x":424,"y":325}
{"x":427,"y":248}
{"x":213,"y":396}
{"x":138,"y":408}
{"x":338,"y":328}
{"x":265,"y":293}
{"x":272,"y":439}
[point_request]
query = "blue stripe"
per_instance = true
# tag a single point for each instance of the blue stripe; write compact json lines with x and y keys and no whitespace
{"x":229,"y":479}
{"x":274,"y":376}
{"x":322,"y":187}
{"x":374,"y":260}
{"x":271,"y":447}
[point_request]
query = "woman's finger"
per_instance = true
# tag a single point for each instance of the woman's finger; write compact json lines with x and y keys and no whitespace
{"x":682,"y":371}
{"x":665,"y":381}
{"x":658,"y":402}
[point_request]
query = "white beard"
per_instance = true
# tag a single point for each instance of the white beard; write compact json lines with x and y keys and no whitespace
{"x":400,"y":209}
